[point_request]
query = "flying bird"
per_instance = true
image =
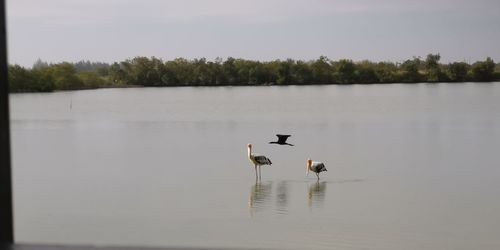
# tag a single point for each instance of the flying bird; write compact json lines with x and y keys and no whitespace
{"x":281,"y":140}
{"x":257,"y":160}
{"x":316,"y":167}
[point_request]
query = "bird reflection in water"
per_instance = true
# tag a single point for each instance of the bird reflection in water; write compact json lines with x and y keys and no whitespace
{"x":316,"y":194}
{"x":282,"y":197}
{"x":260,"y":194}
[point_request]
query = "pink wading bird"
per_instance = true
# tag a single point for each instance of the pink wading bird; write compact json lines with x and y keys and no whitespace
{"x":257,"y":160}
{"x":316,"y":167}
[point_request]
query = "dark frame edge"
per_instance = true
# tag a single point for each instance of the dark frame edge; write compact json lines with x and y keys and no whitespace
{"x":6,"y":205}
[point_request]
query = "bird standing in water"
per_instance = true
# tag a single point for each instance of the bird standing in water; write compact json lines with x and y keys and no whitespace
{"x":257,"y":160}
{"x":316,"y":167}
{"x":281,"y":140}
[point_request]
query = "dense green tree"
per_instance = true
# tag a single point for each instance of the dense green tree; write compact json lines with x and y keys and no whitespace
{"x":243,"y":71}
{"x":345,"y":72}
{"x":483,"y":71}
{"x":64,"y":75}
{"x":202,"y":72}
{"x":20,"y":79}
{"x":432,"y":68}
{"x":24,"y":80}
{"x":169,"y":78}
{"x":116,"y":74}
{"x":457,"y":71}
{"x":272,"y":72}
{"x":366,"y":73}
{"x":497,"y":72}
{"x":303,"y":73}
{"x":256,"y":74}
{"x":322,"y":71}
{"x":44,"y":79}
{"x":286,"y":74}
{"x":144,"y":71}
{"x":410,"y":70}
{"x":214,"y":68}
{"x":387,"y":72}
{"x":264,"y":73}
{"x":183,"y":71}
{"x":91,"y":79}
{"x":230,"y":71}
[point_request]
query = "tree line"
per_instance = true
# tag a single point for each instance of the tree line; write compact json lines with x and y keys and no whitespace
{"x":144,"y":71}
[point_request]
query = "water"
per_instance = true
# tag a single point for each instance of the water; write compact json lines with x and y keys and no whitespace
{"x":409,"y":167}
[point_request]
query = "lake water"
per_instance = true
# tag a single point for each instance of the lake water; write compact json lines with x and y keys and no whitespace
{"x":409,"y":167}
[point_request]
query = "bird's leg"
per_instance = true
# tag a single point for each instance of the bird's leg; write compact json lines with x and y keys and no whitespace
{"x":260,"y":173}
{"x":317,"y":175}
{"x":256,"y":176}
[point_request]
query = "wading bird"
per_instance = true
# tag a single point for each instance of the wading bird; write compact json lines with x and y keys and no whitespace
{"x":316,"y":167}
{"x":257,"y":160}
{"x":281,"y":140}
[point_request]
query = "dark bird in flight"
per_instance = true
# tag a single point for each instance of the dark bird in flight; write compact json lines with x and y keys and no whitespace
{"x":281,"y":140}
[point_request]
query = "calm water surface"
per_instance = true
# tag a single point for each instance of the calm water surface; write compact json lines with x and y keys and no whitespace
{"x":409,"y":167}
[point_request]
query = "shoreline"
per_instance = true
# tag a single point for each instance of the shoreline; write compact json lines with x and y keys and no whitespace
{"x":152,"y":72}
{"x":247,"y":85}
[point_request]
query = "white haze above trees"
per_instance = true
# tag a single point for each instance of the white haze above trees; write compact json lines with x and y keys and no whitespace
{"x":385,"y":30}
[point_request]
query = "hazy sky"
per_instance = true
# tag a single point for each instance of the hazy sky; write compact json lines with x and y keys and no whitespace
{"x":114,"y":30}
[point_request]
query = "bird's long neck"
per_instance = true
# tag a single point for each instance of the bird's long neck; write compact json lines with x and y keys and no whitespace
{"x":249,"y":152}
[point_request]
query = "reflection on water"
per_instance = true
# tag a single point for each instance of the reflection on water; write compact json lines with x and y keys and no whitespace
{"x":108,"y":164}
{"x":260,"y":195}
{"x":282,"y":197}
{"x":348,"y":181}
{"x":316,"y":194}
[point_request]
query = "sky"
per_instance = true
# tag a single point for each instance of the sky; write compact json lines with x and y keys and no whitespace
{"x":376,"y":30}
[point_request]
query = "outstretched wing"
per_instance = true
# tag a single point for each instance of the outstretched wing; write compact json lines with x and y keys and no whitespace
{"x":282,"y":138}
{"x":286,"y":136}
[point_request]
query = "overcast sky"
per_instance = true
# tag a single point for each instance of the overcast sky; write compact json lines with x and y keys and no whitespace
{"x":378,"y":30}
